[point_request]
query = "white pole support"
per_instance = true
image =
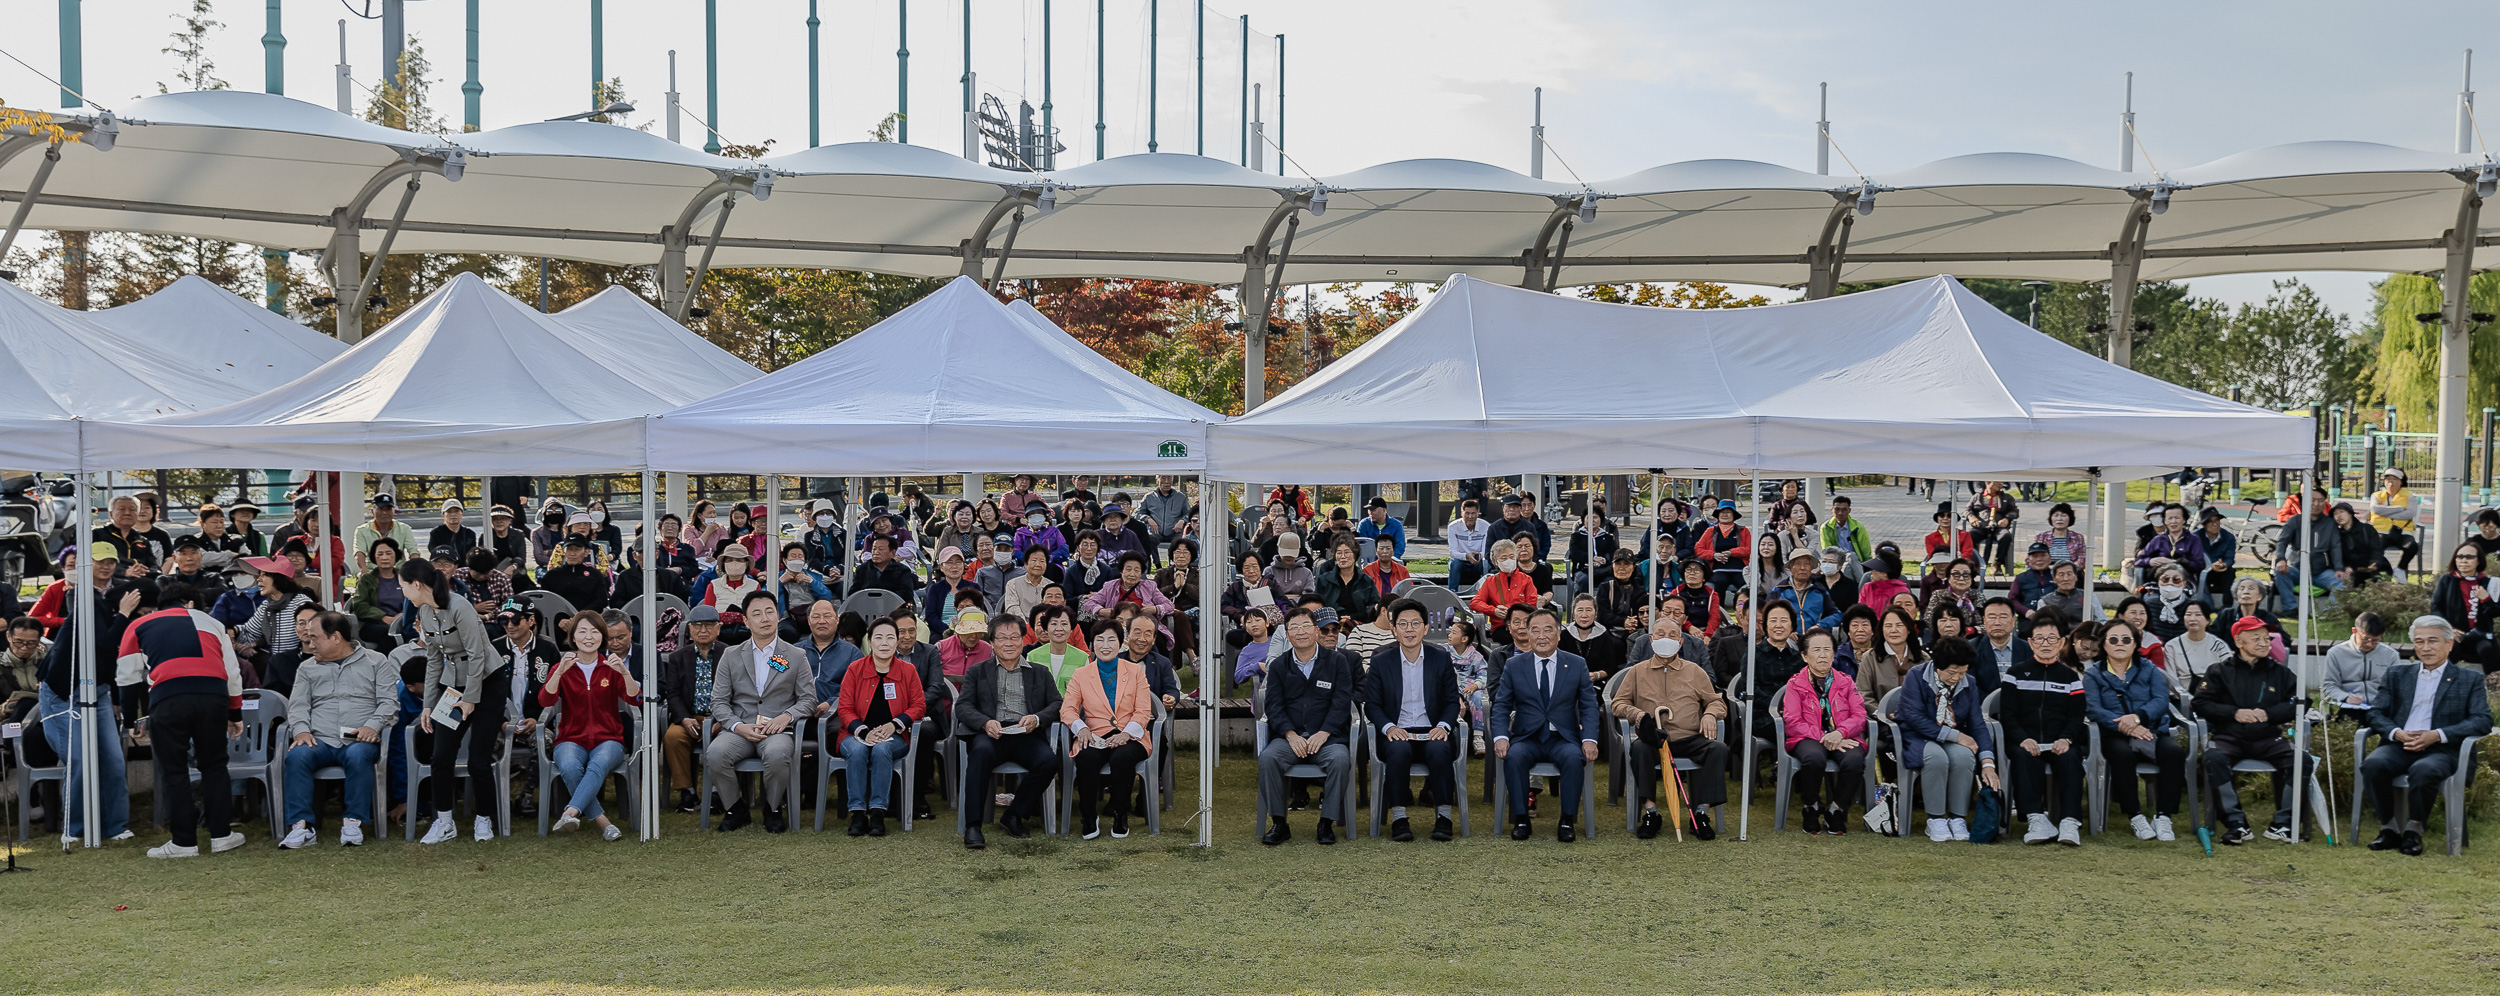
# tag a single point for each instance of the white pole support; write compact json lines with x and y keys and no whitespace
{"x":1212,"y":562}
{"x":652,"y":716}
{"x":1753,"y":648}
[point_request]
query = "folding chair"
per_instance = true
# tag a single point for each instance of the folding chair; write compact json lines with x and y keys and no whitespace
{"x":380,"y":828}
{"x":1627,"y":740}
{"x":551,"y":608}
{"x":752,"y":765}
{"x":2203,"y":734}
{"x":1736,"y":699}
{"x":628,"y":795}
{"x":642,"y":602}
{"x":829,"y":763}
{"x":253,"y":757}
{"x":1441,"y":605}
{"x":414,"y":770}
{"x":1785,"y":769}
{"x":1058,"y":733}
{"x":1144,"y":770}
{"x":2451,"y":789}
{"x":1380,"y":773}
{"x":2096,"y":768}
{"x":872,"y":603}
{"x":28,"y":776}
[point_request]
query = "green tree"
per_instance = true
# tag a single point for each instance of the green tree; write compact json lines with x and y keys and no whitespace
{"x":2288,"y":351}
{"x":2406,"y":371}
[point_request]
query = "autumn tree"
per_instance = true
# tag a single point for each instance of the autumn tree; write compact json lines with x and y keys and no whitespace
{"x":1689,"y":294}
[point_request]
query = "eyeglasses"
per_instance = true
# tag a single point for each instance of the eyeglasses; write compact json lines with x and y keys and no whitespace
{"x":1959,"y":574}
{"x":2045,"y":637}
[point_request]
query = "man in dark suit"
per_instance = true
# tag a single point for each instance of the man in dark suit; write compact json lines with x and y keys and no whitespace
{"x":1005,"y":716}
{"x":1544,"y":706}
{"x":1410,"y":695}
{"x":1310,"y":696}
{"x":2425,"y":711}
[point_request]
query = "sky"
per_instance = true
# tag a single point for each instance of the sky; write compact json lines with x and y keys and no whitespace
{"x":1627,"y":85}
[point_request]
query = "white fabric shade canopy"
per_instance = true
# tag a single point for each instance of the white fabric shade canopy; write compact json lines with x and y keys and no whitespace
{"x":58,"y":365}
{"x":195,"y":322}
{"x":1922,"y":378}
{"x":618,"y":323}
{"x":269,"y":170}
{"x":955,"y":383}
{"x":467,"y":382}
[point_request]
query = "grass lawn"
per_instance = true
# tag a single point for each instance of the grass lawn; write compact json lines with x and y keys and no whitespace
{"x":701,"y":912}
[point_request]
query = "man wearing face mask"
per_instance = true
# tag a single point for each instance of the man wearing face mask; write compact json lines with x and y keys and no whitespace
{"x":824,"y":539}
{"x":1838,"y":576}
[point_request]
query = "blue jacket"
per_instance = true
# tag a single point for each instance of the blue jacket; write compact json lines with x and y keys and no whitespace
{"x":1519,"y":706}
{"x":1393,"y":530}
{"x":1816,"y":604}
{"x":2145,"y":691}
{"x":1917,"y":710}
{"x":828,"y":664}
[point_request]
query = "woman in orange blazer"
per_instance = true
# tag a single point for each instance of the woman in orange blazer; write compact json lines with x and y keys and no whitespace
{"x":1110,"y":710}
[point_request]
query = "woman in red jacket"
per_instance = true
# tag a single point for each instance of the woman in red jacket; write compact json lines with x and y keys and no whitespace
{"x":877,"y":706}
{"x":590,"y":686}
{"x":1508,"y":585}
{"x":1825,"y":720}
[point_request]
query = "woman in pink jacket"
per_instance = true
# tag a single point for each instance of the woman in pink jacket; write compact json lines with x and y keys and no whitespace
{"x":1824,"y":720}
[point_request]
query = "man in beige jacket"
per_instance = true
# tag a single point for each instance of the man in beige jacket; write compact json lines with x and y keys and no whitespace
{"x":1669,"y":700}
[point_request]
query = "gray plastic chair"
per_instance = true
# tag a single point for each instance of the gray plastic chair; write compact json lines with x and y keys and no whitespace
{"x":1144,"y":770}
{"x":1258,"y":745}
{"x":29,"y":776}
{"x":2212,"y":809}
{"x":829,"y":761}
{"x":1762,"y":745}
{"x":2096,"y":768}
{"x":1628,"y":739}
{"x":752,"y":765}
{"x":2451,"y":789}
{"x":380,"y":828}
{"x":1442,"y":605}
{"x":1058,"y":733}
{"x":872,"y":603}
{"x":1380,"y":773}
{"x":551,"y":608}
{"x":667,"y":601}
{"x":414,"y":770}
{"x":1784,"y":768}
{"x":629,"y":794}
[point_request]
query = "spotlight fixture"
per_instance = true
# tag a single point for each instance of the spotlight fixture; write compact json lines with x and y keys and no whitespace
{"x":2161,"y":200}
{"x":1319,"y":202}
{"x":1866,"y":199}
{"x":1588,"y":207}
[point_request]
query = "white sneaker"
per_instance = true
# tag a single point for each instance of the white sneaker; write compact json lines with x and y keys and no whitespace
{"x":2161,"y":829}
{"x":1961,"y":829}
{"x":611,"y":832}
{"x":220,"y":845}
{"x":302,"y":836}
{"x":351,"y":833}
{"x":2283,"y":834}
{"x":567,"y":821}
{"x":2070,"y":832}
{"x":1939,"y":829}
{"x":440,"y":831}
{"x":2041,"y":831}
{"x":169,"y":849}
{"x":482,"y":829}
{"x":124,"y":835}
{"x":2143,"y":827}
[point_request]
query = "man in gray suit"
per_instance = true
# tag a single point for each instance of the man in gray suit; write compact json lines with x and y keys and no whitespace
{"x":2425,"y":712}
{"x":760,"y":690}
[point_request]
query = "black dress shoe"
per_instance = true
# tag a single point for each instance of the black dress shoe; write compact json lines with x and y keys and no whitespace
{"x":685,"y":800}
{"x":1650,"y":823}
{"x":1701,"y":826}
{"x":774,"y":822}
{"x":735,"y":819}
{"x":1277,"y":832}
{"x":2412,"y":846}
{"x":2388,"y":840}
{"x":1564,"y":833}
{"x":973,"y":841}
{"x":1520,"y":829}
{"x":1327,"y":831}
{"x":1014,"y":825}
{"x":1400,"y":832}
{"x":859,"y":824}
{"x":1836,"y":822}
{"x":876,"y":823}
{"x":1813,"y":820}
{"x":1441,"y":828}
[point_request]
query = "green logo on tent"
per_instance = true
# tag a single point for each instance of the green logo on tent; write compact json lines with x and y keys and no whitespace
{"x":1172,"y":449}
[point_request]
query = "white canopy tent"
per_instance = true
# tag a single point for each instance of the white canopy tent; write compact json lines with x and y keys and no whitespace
{"x":467,"y":382}
{"x":196,"y":322}
{"x":619,"y":323}
{"x":1922,"y":378}
{"x":955,"y":383}
{"x":57,"y":365}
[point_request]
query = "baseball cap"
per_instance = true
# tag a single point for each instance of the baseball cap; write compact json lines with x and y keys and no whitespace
{"x":1289,"y":544}
{"x":499,"y":512}
{"x":1376,"y":502}
{"x":303,"y":502}
{"x":511,"y":609}
{"x":950,"y":553}
{"x":454,"y":503}
{"x":2246,"y":624}
{"x":1514,"y":498}
{"x":820,"y":505}
{"x":101,"y":550}
{"x":1324,"y":617}
{"x":2039,"y":548}
{"x":443,"y":553}
{"x":1114,"y":509}
{"x":580,"y":519}
{"x":384,"y":500}
{"x":972,"y":622}
{"x":188,"y":543}
{"x":577,"y":541}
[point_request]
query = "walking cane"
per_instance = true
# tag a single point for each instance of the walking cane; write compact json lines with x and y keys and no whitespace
{"x":1670,"y":780}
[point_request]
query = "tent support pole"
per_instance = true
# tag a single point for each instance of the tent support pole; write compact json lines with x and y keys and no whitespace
{"x":1553,"y":267}
{"x":1753,"y":648}
{"x":649,"y":818}
{"x":1211,"y":566}
{"x":978,"y":245}
{"x":1533,"y":260}
{"x":350,"y":282}
{"x":1657,"y":568}
{"x":90,"y":711}
{"x":2126,"y":261}
{"x":34,"y":190}
{"x":2455,"y":345}
{"x":694,"y":281}
{"x":1830,"y":249}
{"x":2299,"y":787}
{"x":1015,"y":227}
{"x":1253,"y":296}
{"x":675,"y":290}
{"x":399,"y":215}
{"x":323,"y":495}
{"x":772,"y":537}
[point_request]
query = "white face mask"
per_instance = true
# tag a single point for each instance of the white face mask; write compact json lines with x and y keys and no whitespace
{"x":1509,"y":565}
{"x":245,"y":582}
{"x":599,"y":517}
{"x":2171,"y":592}
{"x":1830,"y":569}
{"x":824,"y":521}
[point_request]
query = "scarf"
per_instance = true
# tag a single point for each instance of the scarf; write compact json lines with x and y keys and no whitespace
{"x":2473,"y":605}
{"x":2169,"y":606}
